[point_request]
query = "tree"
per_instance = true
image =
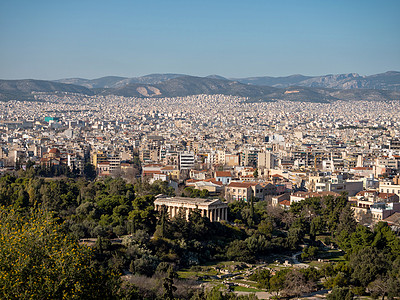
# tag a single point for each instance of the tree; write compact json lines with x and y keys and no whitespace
{"x":262,"y":277}
{"x":379,"y":287}
{"x":316,"y":227}
{"x":168,"y":284}
{"x":309,"y":252}
{"x":296,"y":284}
{"x":266,"y":228}
{"x":238,"y":250}
{"x":89,"y":171}
{"x":250,"y":220}
{"x":277,"y":282}
{"x":385,"y":238}
{"x":161,"y":228}
{"x":37,"y":261}
{"x":339,"y":293}
{"x":143,"y":215}
{"x":295,"y":236}
{"x":367,"y":264}
{"x":255,"y":173}
{"x":22,"y":200}
{"x":347,"y":223}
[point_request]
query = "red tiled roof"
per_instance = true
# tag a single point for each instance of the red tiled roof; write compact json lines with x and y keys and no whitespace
{"x":213,"y":180}
{"x":54,"y":150}
{"x":168,"y":168}
{"x":223,"y":174}
{"x":152,"y":165}
{"x":192,"y":180}
{"x":240,"y":184}
{"x":386,"y":195}
{"x":284,"y":202}
{"x":151,"y":172}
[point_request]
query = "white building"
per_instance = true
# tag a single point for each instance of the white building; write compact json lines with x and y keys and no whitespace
{"x":186,"y":160}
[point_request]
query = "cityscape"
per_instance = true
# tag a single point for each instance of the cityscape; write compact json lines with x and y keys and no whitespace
{"x":222,"y":146}
{"x":259,"y":158}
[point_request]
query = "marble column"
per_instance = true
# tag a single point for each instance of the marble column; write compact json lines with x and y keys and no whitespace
{"x":187,"y":213}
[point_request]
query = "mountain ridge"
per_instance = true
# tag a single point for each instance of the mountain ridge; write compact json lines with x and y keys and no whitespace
{"x":389,"y":80}
{"x":23,"y":89}
{"x":314,"y":89}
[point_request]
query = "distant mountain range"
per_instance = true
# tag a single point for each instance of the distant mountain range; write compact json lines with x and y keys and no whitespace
{"x":22,"y":89}
{"x":379,"y":87}
{"x":385,"y":81}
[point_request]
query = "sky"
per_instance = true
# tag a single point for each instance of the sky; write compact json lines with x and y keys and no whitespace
{"x":91,"y":39}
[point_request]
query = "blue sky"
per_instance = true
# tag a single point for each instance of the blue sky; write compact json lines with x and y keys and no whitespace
{"x":90,"y":39}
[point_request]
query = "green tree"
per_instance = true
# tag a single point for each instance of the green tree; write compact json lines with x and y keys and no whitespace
{"x":309,"y":252}
{"x":37,"y":261}
{"x":22,"y":200}
{"x":168,"y":284}
{"x":295,"y":236}
{"x":255,"y":173}
{"x":238,"y":250}
{"x":367,"y":264}
{"x":317,"y":226}
{"x":277,"y":282}
{"x":161,"y":229}
{"x":340,"y":293}
{"x":89,"y":171}
{"x":142,"y":215}
{"x":266,"y":228}
{"x":262,"y":277}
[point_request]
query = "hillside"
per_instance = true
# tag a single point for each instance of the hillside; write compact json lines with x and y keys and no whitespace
{"x":115,"y":81}
{"x":190,"y":85}
{"x":385,"y":81}
{"x":22,"y":89}
{"x":380,"y":87}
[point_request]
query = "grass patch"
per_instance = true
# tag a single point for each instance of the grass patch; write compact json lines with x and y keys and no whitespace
{"x":338,"y":258}
{"x":194,"y":274}
{"x":187,"y":274}
{"x":318,"y":264}
{"x":332,"y":255}
{"x":245,"y":289}
{"x":222,"y":263}
{"x":252,"y":283}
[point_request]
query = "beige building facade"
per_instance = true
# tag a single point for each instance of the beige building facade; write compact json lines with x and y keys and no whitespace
{"x":214,"y":209}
